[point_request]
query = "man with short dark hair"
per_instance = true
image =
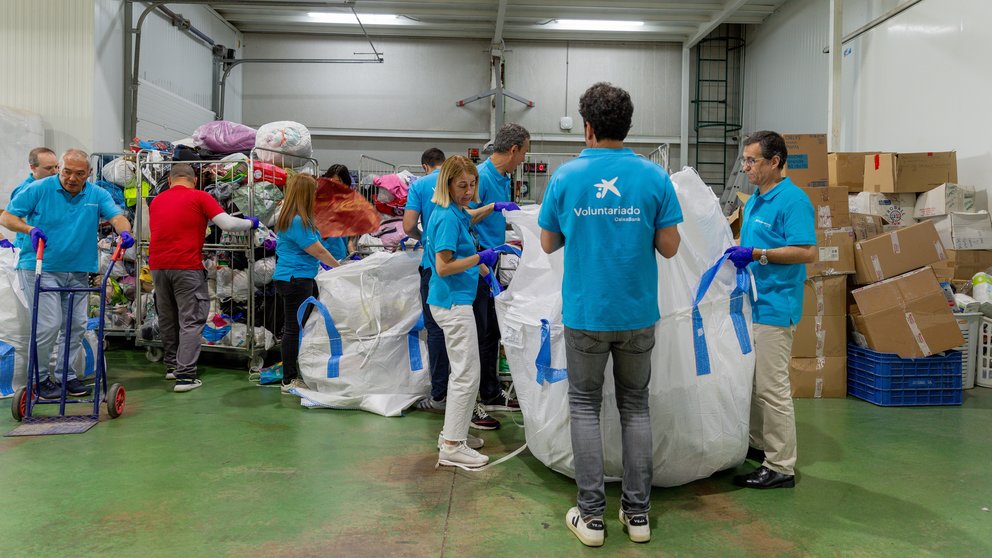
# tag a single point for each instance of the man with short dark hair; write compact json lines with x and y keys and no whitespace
{"x":178,"y":222}
{"x":64,"y":211}
{"x":629,"y":212}
{"x":778,"y":232}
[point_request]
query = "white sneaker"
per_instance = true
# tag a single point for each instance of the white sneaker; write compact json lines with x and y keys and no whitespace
{"x":186,"y":385}
{"x":294,"y":383}
{"x":590,"y":532}
{"x":637,"y":526}
{"x":460,"y":454}
{"x":473,"y":442}
{"x":170,"y":373}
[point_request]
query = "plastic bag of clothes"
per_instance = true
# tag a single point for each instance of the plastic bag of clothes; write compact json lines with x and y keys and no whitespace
{"x":232,"y":283}
{"x":15,"y":326}
{"x":289,"y":137}
{"x":119,"y":171}
{"x":266,"y":199}
{"x":700,"y":385}
{"x":238,"y":337}
{"x":263,"y":271}
{"x":217,"y":328}
{"x":222,"y":136}
{"x":364,"y":345}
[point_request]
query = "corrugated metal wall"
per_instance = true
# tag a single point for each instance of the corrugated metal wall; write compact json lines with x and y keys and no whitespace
{"x":47,"y":66}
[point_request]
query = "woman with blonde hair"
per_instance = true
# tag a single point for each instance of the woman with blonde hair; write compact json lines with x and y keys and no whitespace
{"x":298,"y":253}
{"x":456,"y":265}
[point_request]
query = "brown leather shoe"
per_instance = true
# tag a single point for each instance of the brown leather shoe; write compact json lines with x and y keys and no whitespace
{"x":763,"y":477}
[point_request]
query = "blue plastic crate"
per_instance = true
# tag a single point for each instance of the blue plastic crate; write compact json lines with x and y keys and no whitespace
{"x":887,"y":380}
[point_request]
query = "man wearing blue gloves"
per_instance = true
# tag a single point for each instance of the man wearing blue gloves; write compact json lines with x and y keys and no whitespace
{"x":778,"y":232}
{"x":43,"y":163}
{"x":64,"y":211}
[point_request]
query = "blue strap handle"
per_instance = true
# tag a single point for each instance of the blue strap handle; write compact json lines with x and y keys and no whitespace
{"x":494,"y":287}
{"x":413,"y":345}
{"x":741,"y":287}
{"x":334,"y":338}
{"x":545,"y":373}
{"x":403,"y":240}
{"x":508,"y":249}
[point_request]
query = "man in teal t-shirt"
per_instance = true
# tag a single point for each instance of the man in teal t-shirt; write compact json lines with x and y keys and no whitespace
{"x":778,"y":232}
{"x":43,"y":163}
{"x":612,"y":211}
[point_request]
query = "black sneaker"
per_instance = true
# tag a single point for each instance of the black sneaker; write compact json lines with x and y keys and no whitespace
{"x":170,"y":373}
{"x":49,"y":390}
{"x":76,"y":388}
{"x":481,"y":419}
{"x":501,"y":402}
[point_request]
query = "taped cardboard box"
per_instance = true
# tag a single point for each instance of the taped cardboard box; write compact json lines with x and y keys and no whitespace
{"x":830,"y":207}
{"x":962,"y":265}
{"x":965,"y":231}
{"x":907,"y":315}
{"x":894,"y":209}
{"x":847,"y":170}
{"x":807,"y":161}
{"x":825,"y":296}
{"x":834,"y":253}
{"x":897,"y":252}
{"x":817,"y":336}
{"x":893,"y":173}
{"x":818,"y":378}
{"x":947,"y":198}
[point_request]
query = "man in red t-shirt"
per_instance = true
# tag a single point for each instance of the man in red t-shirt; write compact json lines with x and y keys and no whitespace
{"x":178,"y":221}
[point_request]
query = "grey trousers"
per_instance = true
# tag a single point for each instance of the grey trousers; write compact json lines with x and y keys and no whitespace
{"x":52,"y":310}
{"x":182,"y":302}
{"x":586,"y":353}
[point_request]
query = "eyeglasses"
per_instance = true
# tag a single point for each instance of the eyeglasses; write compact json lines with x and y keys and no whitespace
{"x":749,"y":161}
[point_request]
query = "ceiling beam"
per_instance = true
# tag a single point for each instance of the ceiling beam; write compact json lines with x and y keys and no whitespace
{"x":500,"y":20}
{"x":728,"y":10}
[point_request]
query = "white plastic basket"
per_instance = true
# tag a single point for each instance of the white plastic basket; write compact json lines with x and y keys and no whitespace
{"x":969,"y":324}
{"x":983,"y":369}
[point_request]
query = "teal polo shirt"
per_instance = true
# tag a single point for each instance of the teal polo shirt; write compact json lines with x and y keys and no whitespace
{"x":493,"y":187}
{"x":22,"y":240}
{"x":449,"y":230}
{"x":608,"y":203}
{"x":781,"y":217}
{"x":418,"y":199}
{"x":70,"y":222}
{"x":292,"y":260}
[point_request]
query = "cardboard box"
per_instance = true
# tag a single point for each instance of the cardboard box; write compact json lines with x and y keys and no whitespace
{"x":962,"y":265}
{"x":895,"y":209}
{"x":907,"y":315}
{"x":830,"y":207}
{"x":807,"y":161}
{"x":816,"y":378}
{"x":818,"y":336}
{"x":866,"y":226}
{"x":834,"y":253}
{"x":947,"y":198}
{"x":847,"y":170}
{"x":897,"y":252}
{"x":825,"y":296}
{"x":965,"y":231}
{"x":909,"y":172}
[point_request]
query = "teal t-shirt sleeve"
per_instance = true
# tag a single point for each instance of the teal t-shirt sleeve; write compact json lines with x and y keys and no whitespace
{"x":800,"y":229}
{"x":302,"y":236}
{"x":547,"y":219}
{"x":24,"y":202}
{"x":670,"y":212}
{"x":413,"y":199}
{"x":445,"y":234}
{"x":108,"y":209}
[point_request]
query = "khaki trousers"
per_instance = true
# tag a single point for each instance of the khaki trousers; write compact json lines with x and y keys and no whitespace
{"x":773,"y":420}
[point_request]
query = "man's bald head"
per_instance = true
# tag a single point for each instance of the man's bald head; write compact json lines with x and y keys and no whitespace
{"x":182,"y":174}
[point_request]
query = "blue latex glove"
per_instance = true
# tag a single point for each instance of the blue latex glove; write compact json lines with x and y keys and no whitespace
{"x":356,"y":257}
{"x":494,"y":287}
{"x":254,"y":222}
{"x":126,"y":240}
{"x":37,"y":235}
{"x":505,"y":206}
{"x":740,"y":255}
{"x":269,"y":244}
{"x":324,"y":266}
{"x":488,"y":257}
{"x":5,"y":244}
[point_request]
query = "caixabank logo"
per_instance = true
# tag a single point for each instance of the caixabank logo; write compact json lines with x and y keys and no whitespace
{"x":605,"y":190}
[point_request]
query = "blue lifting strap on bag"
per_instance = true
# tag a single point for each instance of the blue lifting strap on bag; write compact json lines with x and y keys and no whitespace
{"x":742,"y":287}
{"x":545,"y":373}
{"x":413,"y":345}
{"x":333,"y":337}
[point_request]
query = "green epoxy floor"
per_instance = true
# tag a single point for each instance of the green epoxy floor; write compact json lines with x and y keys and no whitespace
{"x":235,"y":470}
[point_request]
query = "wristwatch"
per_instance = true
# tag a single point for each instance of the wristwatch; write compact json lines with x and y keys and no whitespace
{"x":763,"y":260}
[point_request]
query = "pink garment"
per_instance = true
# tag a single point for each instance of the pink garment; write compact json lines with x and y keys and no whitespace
{"x":395,"y":183}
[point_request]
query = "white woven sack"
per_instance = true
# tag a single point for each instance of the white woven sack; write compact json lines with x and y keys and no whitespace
{"x":699,"y":422}
{"x":286,"y":136}
{"x":380,"y":362}
{"x":15,"y":323}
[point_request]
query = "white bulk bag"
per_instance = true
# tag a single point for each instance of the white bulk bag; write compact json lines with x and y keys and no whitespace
{"x":699,"y":422}
{"x":85,"y":365}
{"x":15,"y":326}
{"x":373,"y":356}
{"x":284,"y":136}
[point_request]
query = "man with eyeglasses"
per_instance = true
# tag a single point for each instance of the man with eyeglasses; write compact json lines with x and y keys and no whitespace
{"x":43,"y":164}
{"x":778,"y":232}
{"x":64,"y":211}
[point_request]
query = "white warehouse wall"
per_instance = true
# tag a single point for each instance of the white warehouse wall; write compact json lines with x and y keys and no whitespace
{"x":394,"y":110}
{"x":917,"y":82}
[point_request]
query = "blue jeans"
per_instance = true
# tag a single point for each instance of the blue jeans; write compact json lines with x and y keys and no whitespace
{"x":586,"y":353}
{"x":436,"y":351}
{"x":52,"y":309}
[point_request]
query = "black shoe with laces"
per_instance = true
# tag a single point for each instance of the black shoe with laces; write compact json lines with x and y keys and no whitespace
{"x":48,"y":390}
{"x":481,"y":419}
{"x":76,"y":388}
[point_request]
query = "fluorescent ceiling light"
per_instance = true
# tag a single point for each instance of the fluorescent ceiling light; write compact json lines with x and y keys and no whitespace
{"x":348,"y":18}
{"x":598,"y":25}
